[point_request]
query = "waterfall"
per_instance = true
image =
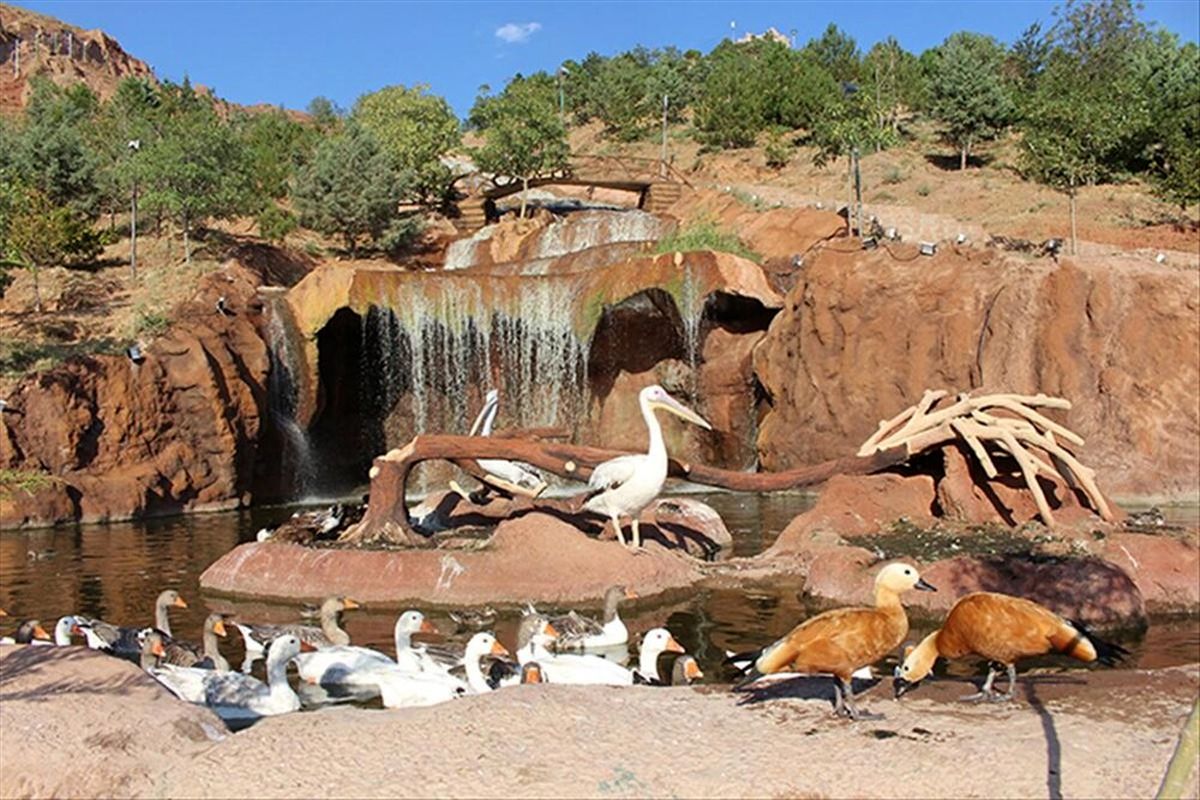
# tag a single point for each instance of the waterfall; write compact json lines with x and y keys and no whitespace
{"x":691,"y":311}
{"x":283,"y":399}
{"x":443,"y":342}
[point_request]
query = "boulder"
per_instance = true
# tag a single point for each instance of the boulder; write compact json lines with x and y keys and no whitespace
{"x":1164,"y":567}
{"x":690,"y":525}
{"x":536,"y":557}
{"x":61,"y":703}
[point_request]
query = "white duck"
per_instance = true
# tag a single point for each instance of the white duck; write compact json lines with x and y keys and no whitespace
{"x":350,"y":665}
{"x":401,"y":689}
{"x":510,"y":472}
{"x":577,"y":632}
{"x":233,"y":695}
{"x":536,"y":636}
{"x":627,"y":484}
{"x":660,"y":654}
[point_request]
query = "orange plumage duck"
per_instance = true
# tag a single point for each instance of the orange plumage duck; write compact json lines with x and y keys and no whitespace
{"x":841,"y":641}
{"x":1002,"y":629}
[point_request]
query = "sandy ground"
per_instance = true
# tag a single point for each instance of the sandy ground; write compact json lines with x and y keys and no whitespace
{"x":1074,"y":734}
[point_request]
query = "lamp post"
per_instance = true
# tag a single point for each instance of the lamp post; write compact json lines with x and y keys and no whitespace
{"x":562,"y":113}
{"x":134,"y":146}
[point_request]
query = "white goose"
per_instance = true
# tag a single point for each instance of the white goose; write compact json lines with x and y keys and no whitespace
{"x":629,"y":483}
{"x":407,"y":690}
{"x":233,"y":695}
{"x":350,"y":665}
{"x":510,"y":472}
{"x":536,"y":636}
{"x":62,"y":631}
{"x":660,"y":657}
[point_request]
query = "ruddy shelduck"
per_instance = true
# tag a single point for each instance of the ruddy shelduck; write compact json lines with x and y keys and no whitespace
{"x":1002,"y":629}
{"x":841,"y":641}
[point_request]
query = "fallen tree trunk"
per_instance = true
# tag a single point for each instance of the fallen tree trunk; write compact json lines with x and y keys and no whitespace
{"x":387,"y":518}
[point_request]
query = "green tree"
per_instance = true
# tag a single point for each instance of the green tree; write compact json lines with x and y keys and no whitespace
{"x":1175,"y":110}
{"x":126,"y":123}
{"x":731,"y":108}
{"x":1089,"y":113}
{"x":325,"y":113}
{"x":196,"y":170}
{"x":837,"y":52}
{"x":523,"y":136}
{"x":53,"y":153}
{"x":415,"y":129}
{"x":275,"y":147}
{"x":893,"y":79}
{"x":967,"y":91}
{"x":350,"y":189}
{"x":40,"y":234}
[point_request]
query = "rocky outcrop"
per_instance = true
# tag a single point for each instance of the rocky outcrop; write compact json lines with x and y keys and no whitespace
{"x":34,"y":44}
{"x":570,"y":567}
{"x":863,"y":334}
{"x":110,"y":437}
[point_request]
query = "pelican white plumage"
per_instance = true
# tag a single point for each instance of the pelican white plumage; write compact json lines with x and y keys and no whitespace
{"x":510,"y":472}
{"x":629,"y":483}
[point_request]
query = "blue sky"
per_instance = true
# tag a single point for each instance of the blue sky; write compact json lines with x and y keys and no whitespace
{"x":286,"y":53}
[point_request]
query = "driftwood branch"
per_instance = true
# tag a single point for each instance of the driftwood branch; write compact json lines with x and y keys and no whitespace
{"x":388,"y":520}
{"x":1018,"y":429}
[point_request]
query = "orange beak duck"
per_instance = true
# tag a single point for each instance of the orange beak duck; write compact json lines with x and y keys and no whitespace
{"x":841,"y":641}
{"x":1002,"y":629}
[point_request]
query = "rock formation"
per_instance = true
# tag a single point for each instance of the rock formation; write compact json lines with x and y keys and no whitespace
{"x":177,"y":429}
{"x":863,"y":334}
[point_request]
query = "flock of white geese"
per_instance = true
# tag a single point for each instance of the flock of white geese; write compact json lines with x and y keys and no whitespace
{"x":567,"y":649}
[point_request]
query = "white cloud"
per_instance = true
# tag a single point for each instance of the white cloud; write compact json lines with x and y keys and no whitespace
{"x":517,"y":32}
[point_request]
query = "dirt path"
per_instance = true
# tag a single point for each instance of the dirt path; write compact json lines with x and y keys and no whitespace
{"x":1074,"y":734}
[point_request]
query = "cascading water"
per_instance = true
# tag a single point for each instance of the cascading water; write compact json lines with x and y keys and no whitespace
{"x":691,"y":312}
{"x":443,"y":343}
{"x":298,"y":462}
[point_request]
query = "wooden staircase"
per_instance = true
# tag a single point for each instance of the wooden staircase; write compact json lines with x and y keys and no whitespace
{"x":660,"y":196}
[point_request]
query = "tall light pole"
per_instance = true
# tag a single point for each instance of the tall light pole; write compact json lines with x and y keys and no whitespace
{"x":562,"y":113}
{"x":663,"y":157}
{"x":134,"y":146}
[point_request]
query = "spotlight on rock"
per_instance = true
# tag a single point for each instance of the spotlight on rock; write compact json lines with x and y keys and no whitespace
{"x":869,"y":243}
{"x":928,"y":248}
{"x":892,"y":234}
{"x":135,"y":354}
{"x":961,"y":238}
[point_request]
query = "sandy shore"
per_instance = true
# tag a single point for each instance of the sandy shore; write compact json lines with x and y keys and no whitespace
{"x":73,"y":723}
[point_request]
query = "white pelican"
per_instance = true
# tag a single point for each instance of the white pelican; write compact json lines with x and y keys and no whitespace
{"x":630,"y":483}
{"x":508,"y":472}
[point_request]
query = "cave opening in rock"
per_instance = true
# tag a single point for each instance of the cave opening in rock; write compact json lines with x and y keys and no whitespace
{"x":341,"y":428}
{"x":633,"y":336}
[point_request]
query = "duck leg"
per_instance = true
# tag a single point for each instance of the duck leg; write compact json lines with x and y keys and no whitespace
{"x":1012,"y":684}
{"x":986,"y":692}
{"x":844,"y":702}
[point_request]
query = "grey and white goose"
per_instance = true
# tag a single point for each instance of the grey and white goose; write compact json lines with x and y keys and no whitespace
{"x":28,"y":632}
{"x":576,"y":632}
{"x":123,"y":640}
{"x":329,"y":634}
{"x":207,"y":656}
{"x":233,"y":695}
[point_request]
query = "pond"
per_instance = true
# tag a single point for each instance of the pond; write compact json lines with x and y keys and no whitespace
{"x":115,"y":571}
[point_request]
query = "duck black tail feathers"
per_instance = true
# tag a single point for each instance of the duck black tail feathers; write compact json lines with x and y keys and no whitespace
{"x":1107,"y":653}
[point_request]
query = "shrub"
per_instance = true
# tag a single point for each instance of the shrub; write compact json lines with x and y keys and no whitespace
{"x":893,"y":176}
{"x":705,"y":235}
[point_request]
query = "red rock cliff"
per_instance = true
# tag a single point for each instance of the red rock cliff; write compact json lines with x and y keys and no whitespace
{"x":863,"y":334}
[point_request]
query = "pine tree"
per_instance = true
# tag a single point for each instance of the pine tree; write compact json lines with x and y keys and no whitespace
{"x":967,"y":91}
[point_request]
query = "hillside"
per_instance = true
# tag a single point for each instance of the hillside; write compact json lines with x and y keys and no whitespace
{"x":33,"y":44}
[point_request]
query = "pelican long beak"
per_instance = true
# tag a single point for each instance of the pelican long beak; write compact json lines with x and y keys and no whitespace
{"x":680,"y":410}
{"x":180,"y":603}
{"x":427,"y":627}
{"x":499,"y":649}
{"x":219,"y":628}
{"x":673,"y":646}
